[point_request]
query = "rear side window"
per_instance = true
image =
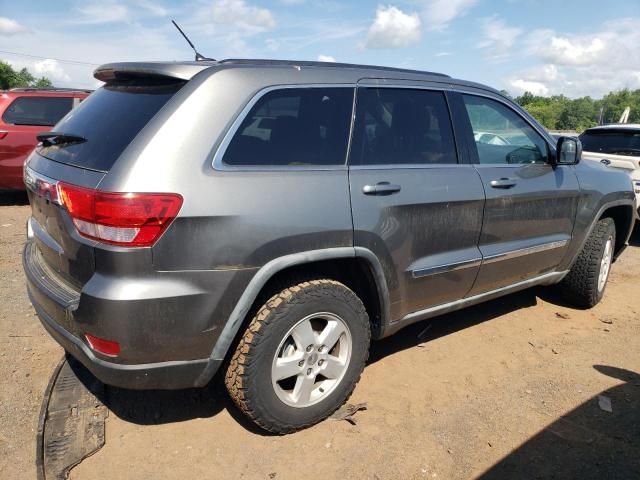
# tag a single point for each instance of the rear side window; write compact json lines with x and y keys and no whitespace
{"x":402,"y":126}
{"x":294,"y":126}
{"x":37,"y":111}
{"x":109,"y":119}
{"x":501,"y":135}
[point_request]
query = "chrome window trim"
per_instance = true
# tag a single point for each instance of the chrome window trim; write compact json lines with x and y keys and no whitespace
{"x":217,"y":162}
{"x":446,"y":268}
{"x":543,"y":247}
{"x":411,"y":166}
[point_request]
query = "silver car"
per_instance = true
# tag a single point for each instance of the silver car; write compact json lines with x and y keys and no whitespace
{"x":271,"y":218}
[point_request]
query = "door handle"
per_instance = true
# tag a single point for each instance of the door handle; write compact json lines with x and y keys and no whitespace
{"x":503,"y":183}
{"x":381,"y":188}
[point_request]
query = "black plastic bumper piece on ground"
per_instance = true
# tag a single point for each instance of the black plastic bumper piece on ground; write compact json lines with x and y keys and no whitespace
{"x":71,"y":425}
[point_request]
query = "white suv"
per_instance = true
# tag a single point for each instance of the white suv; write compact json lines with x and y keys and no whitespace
{"x":615,"y":145}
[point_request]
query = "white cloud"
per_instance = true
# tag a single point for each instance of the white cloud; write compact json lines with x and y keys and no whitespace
{"x":51,"y":69}
{"x":443,"y":54}
{"x":392,"y":28}
{"x":537,"y":88}
{"x":326,"y":58}
{"x":241,"y":14}
{"x":103,"y":12}
{"x":10,"y":27}
{"x":497,"y":36}
{"x":439,"y":13}
{"x":588,"y":64}
{"x":153,"y":8}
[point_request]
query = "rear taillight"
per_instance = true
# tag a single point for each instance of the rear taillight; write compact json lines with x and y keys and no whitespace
{"x":3,"y":133}
{"x":126,"y":219}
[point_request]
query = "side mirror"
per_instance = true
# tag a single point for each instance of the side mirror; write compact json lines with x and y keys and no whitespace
{"x":568,"y":151}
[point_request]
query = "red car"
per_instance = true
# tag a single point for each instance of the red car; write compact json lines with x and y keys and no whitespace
{"x":24,"y":113}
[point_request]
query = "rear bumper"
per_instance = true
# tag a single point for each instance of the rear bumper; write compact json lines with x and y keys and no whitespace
{"x":57,"y":307}
{"x":162,"y":375}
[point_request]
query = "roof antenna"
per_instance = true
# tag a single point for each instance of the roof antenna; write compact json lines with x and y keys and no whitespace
{"x":199,"y":57}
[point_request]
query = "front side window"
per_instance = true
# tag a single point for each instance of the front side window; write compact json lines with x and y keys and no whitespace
{"x":402,"y":126}
{"x":37,"y":111}
{"x":294,"y":127}
{"x":501,"y":135}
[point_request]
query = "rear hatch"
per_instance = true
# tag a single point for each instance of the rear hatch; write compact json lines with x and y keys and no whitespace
{"x":91,"y":139}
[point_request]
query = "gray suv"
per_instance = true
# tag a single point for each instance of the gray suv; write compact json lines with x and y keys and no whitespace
{"x":271,"y":218}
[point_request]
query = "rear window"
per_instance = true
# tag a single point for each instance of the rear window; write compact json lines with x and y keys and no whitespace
{"x":109,"y":119}
{"x":37,"y":111}
{"x":619,"y":142}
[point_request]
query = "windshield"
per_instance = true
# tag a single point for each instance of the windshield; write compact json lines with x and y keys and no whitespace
{"x":109,"y":119}
{"x":621,"y":142}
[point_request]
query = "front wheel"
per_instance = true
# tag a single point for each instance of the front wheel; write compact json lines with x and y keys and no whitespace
{"x":301,"y":356}
{"x":585,"y":283}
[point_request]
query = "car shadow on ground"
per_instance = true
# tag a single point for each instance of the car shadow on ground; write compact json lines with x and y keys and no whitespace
{"x":586,"y":443}
{"x":13,"y":198}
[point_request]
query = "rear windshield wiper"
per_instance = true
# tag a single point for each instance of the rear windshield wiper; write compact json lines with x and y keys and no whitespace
{"x":58,"y":138}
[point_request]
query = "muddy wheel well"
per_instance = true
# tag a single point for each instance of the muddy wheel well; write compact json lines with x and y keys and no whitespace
{"x":356,"y":273}
{"x":623,"y":218}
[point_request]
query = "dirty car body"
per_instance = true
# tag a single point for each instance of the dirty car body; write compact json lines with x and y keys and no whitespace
{"x":417,"y":236}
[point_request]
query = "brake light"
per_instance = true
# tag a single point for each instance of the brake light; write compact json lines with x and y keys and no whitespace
{"x":3,"y":133}
{"x":125,"y":219}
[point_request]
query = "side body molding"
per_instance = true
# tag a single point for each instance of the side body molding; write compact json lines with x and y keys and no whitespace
{"x":261,"y":278}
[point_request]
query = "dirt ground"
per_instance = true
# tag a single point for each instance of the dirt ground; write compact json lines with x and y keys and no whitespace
{"x":508,"y":389}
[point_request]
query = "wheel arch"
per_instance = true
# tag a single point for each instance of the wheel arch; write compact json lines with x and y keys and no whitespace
{"x":358,"y":268}
{"x":623,"y":217}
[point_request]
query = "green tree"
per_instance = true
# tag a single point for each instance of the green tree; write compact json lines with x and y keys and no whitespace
{"x":11,"y":78}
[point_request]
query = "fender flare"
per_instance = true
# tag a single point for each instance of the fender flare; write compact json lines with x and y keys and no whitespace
{"x":265,"y":273}
{"x":601,"y":210}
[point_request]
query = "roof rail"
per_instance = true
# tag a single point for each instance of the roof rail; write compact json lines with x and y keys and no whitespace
{"x":307,"y":63}
{"x":49,"y":89}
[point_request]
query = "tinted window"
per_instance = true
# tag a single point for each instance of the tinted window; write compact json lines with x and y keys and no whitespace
{"x":501,"y":135}
{"x":402,"y":126}
{"x":41,"y":111}
{"x":297,"y":126}
{"x":620,"y":142}
{"x":109,"y":119}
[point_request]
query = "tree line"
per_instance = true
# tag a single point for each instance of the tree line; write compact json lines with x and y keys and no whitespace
{"x":12,"y":78}
{"x":561,"y":113}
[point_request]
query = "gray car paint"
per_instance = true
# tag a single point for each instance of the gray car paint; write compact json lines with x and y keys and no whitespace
{"x":176,"y":307}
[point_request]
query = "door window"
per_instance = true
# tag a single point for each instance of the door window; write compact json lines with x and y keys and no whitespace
{"x":501,"y":135}
{"x":40,"y":111}
{"x":402,"y":126}
{"x":294,"y":127}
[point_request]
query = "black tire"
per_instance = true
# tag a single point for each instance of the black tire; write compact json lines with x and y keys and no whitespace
{"x":580,"y":286}
{"x":248,"y":377}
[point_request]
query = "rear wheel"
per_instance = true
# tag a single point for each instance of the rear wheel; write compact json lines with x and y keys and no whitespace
{"x":585,"y":283}
{"x":301,"y":356}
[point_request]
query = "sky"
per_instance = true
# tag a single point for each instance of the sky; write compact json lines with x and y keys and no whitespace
{"x":570,"y":47}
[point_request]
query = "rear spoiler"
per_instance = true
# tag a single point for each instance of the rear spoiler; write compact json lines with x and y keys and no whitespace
{"x":177,"y":70}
